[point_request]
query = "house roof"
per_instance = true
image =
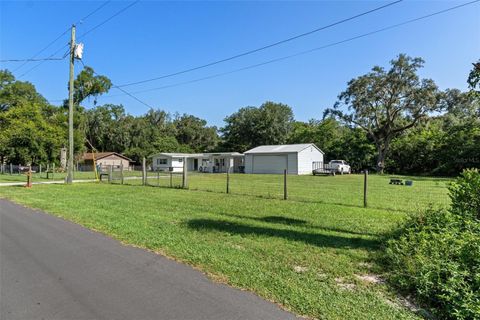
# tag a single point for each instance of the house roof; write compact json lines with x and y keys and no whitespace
{"x":234,"y":154}
{"x":282,"y":148}
{"x":178,"y":155}
{"x":101,"y":155}
{"x":195,"y":155}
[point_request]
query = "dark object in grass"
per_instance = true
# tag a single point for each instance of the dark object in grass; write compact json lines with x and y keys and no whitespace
{"x":282,"y":220}
{"x":408,"y":182}
{"x":396,"y":181}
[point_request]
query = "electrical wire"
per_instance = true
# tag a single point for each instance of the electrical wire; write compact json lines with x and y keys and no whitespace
{"x":123,"y":90}
{"x":108,"y":19}
{"x":61,"y":35}
{"x":302,"y":52}
{"x":90,"y":30}
{"x":43,"y":49}
{"x":93,"y":12}
{"x":264,"y":47}
{"x":32,"y":59}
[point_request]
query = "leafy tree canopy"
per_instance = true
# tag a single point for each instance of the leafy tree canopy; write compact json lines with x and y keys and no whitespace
{"x":385,"y":103}
{"x":249,"y":127}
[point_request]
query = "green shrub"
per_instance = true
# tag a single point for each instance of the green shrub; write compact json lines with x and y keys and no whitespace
{"x":465,"y":195}
{"x":436,"y":254}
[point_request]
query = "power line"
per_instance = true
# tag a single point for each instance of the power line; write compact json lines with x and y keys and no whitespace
{"x":28,"y":60}
{"x":90,"y":30}
{"x":93,"y":12}
{"x":124,"y":91}
{"x":303,"y":52}
{"x":43,"y":49}
{"x":41,"y":62}
{"x":264,"y":47}
{"x":108,"y":19}
{"x":57,"y":38}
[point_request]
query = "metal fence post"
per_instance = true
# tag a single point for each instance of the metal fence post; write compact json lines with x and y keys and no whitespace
{"x":144,"y":172}
{"x":228,"y":180}
{"x":285,"y":184}
{"x":365,"y":185}
{"x":121,"y":172}
{"x":171,"y":179}
{"x":53,"y":171}
{"x":184,"y":175}
{"x":158,"y":178}
{"x":110,"y":172}
{"x":11,"y":169}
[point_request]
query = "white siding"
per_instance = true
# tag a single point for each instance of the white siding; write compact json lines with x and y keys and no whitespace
{"x":248,"y":163}
{"x":171,"y":162}
{"x":306,"y":157}
{"x":177,"y":164}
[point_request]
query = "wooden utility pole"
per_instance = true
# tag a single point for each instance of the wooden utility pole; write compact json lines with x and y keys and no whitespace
{"x":70,"y":108}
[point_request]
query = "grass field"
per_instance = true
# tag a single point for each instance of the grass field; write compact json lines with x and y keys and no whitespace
{"x":310,"y":257}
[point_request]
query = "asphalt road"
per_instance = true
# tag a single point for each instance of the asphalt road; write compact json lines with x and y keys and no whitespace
{"x":55,"y":269}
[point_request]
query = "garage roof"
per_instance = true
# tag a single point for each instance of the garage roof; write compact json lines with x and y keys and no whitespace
{"x":282,"y":148}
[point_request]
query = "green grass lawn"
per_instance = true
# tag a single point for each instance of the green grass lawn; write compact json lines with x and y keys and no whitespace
{"x":306,"y":256}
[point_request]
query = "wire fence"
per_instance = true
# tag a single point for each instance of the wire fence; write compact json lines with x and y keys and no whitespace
{"x":390,"y":192}
{"x":398,"y":193}
{"x":14,"y":173}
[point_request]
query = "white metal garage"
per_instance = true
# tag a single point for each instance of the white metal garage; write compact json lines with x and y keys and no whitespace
{"x":296,"y":158}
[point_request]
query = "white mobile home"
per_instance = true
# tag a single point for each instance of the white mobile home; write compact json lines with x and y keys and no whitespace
{"x":296,"y":158}
{"x":201,"y":162}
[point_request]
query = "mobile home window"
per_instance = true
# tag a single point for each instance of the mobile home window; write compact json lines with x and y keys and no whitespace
{"x":161,"y":161}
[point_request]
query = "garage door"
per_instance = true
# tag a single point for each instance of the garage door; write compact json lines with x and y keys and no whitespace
{"x":269,"y":164}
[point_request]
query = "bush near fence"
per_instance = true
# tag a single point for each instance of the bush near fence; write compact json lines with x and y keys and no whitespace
{"x":435,"y":254}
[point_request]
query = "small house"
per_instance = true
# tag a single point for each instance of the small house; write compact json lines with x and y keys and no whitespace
{"x":105,"y":159}
{"x":201,"y":162}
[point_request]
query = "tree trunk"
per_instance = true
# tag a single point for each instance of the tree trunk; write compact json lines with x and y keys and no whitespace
{"x":382,"y":149}
{"x":380,"y":160}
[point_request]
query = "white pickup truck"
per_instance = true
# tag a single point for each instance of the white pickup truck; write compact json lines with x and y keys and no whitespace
{"x":332,"y":168}
{"x":339,"y":166}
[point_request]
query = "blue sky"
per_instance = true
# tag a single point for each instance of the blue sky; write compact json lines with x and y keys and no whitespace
{"x":154,"y":38}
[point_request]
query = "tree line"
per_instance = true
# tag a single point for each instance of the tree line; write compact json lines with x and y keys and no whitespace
{"x":388,"y":119}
